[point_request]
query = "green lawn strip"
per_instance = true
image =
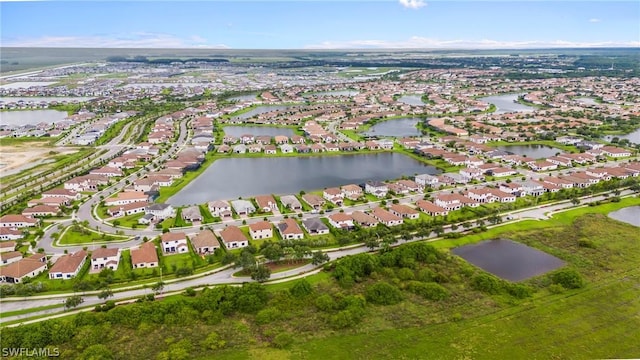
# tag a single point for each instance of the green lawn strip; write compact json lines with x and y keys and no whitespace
{"x":207,"y":218}
{"x":83,"y":235}
{"x":129,"y":221}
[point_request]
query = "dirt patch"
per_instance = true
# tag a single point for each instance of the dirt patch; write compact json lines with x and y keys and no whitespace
{"x":15,"y":158}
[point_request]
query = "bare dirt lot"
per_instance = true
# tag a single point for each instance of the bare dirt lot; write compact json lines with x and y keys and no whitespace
{"x":18,"y":157}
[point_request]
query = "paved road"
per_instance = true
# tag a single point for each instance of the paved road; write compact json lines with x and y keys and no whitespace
{"x":86,"y":210}
{"x":224,"y":276}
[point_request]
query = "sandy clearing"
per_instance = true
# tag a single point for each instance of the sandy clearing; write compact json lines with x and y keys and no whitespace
{"x":16,"y":158}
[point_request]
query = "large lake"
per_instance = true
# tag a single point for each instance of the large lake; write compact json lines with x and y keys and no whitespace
{"x":534,"y":151}
{"x":248,"y":97}
{"x":26,"y":84}
{"x":411,"y":100}
{"x":334,"y":93}
{"x":508,"y":259}
{"x":238,"y":131}
{"x":31,"y":117}
{"x":506,"y":103}
{"x":261,"y":110}
{"x":395,"y":128}
{"x":633,"y":137}
{"x":228,"y":179}
{"x":41,"y":99}
{"x":630,"y":215}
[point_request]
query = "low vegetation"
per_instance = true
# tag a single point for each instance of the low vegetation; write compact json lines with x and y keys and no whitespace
{"x":414,"y":301}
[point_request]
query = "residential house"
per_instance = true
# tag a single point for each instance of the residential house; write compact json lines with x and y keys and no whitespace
{"x":291,"y":202}
{"x":220,"y":209}
{"x":233,"y":237}
{"x":289,"y":229}
{"x":376,"y":188}
{"x":334,"y":195}
{"x":40,"y":211}
{"x":192,"y":214}
{"x":126,"y":197}
{"x":144,"y":256}
{"x":7,"y":246}
{"x":454,"y":201}
{"x":315,"y":226}
{"x":502,"y":172}
{"x":105,"y":258}
{"x":243,"y":207}
{"x":404,"y":211}
{"x":542,"y":165}
{"x":61,"y":192}
{"x":68,"y":266}
{"x":532,"y":188}
{"x":174,"y":243}
{"x":363,"y":219}
{"x":128,"y":209}
{"x":16,"y":221}
{"x":205,"y":242}
{"x":160,"y":211}
{"x":426,"y":180}
{"x":341,"y":221}
{"x":30,"y":267}
{"x":56,"y":201}
{"x":261,"y":230}
{"x":431,"y":209}
{"x":386,"y":217}
{"x":266,"y":203}
{"x":352,"y":191}
{"x":313,"y":200}
{"x":9,"y":257}
{"x":409,"y":185}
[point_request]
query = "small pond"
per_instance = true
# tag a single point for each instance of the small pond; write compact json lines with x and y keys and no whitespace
{"x":534,"y":151}
{"x":395,"y":128}
{"x":506,"y":103}
{"x":508,"y":259}
{"x":630,"y":215}
{"x":411,"y":100}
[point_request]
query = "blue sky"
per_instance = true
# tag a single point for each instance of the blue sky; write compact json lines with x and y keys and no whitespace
{"x":320,"y":24}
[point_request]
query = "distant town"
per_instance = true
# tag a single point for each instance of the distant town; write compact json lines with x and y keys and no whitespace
{"x":127,"y":170}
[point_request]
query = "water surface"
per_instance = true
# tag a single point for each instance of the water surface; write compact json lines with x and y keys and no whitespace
{"x":228,"y":179}
{"x":534,"y":151}
{"x":31,"y":117}
{"x":630,"y":215}
{"x":508,"y":259}
{"x":395,"y":128}
{"x":506,"y":103}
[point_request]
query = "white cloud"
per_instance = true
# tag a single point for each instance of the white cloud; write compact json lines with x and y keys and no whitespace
{"x":412,"y":4}
{"x":417,"y":42}
{"x":133,"y":40}
{"x":594,"y":20}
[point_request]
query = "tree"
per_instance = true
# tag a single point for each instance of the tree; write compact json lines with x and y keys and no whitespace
{"x":319,"y":257}
{"x":300,"y":252}
{"x":575,"y":201}
{"x":260,"y":273}
{"x":246,"y":260}
{"x":106,"y":293}
{"x":158,"y":287}
{"x":272,"y":252}
{"x":73,"y":301}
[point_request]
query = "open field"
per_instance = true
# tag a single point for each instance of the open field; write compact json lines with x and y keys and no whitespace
{"x":20,"y":156}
